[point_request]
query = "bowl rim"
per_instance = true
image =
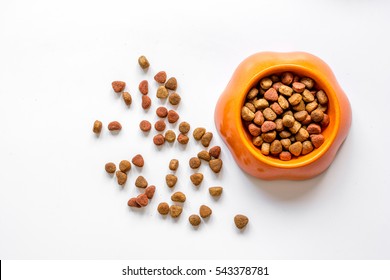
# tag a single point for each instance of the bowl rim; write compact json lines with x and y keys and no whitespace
{"x":323,"y":83}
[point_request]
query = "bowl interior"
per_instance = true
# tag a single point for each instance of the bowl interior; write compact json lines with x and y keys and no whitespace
{"x":329,"y":132}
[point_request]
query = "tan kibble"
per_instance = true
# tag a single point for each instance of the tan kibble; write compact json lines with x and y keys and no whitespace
{"x":295,"y":128}
{"x":257,"y":141}
{"x":283,"y":103}
{"x":285,"y":143}
{"x":206,"y":139}
{"x":175,"y":210}
{"x":302,"y":135}
{"x":171,"y":180}
{"x":285,"y":90}
{"x":182,"y":138}
{"x":241,"y":221}
{"x":163,"y":208}
{"x":170,"y":136}
{"x":162,"y":92}
{"x":126,"y":98}
{"x":261,"y":104}
{"x":216,"y":165}
{"x":259,"y":118}
{"x":295,"y":148}
{"x":215,"y":191}
{"x":287,"y":78}
{"x":276,"y":147}
{"x":171,"y":83}
{"x":205,"y":211}
{"x":194,"y":162}
{"x":288,"y":121}
{"x":309,"y":83}
{"x":317,"y":115}
{"x":141,"y":182}
{"x":121,"y":177}
{"x":178,"y":197}
{"x":322,"y":97}
{"x":194,"y":220}
{"x":307,"y":147}
{"x":269,"y":136}
{"x":289,"y":113}
{"x":285,"y":134}
{"x":199,"y":132}
{"x":110,"y":167}
{"x":265,"y":83}
{"x":252,"y":93}
{"x":204,"y":155}
{"x":247,"y":114}
{"x":196,"y":178}
{"x":215,"y":151}
{"x":311,"y":106}
{"x":265,"y":147}
{"x":306,"y":121}
{"x":133,"y":203}
{"x":295,"y":99}
{"x":174,"y":98}
{"x":301,"y":115}
{"x":277,"y":85}
{"x":307,"y":96}
{"x":124,"y":166}
{"x":250,"y":106}
{"x":173,"y":164}
{"x":184,"y":127}
{"x":300,"y":106}
{"x":97,"y":127}
{"x":143,"y":62}
{"x":325,"y":121}
{"x":269,"y":114}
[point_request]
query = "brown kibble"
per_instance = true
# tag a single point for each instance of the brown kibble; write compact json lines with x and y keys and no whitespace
{"x":163,"y":208}
{"x":301,"y":115}
{"x":285,"y":143}
{"x":206,"y":139}
{"x":241,"y":221}
{"x":141,"y":182}
{"x":215,"y":191}
{"x":114,"y":126}
{"x":287,"y":78}
{"x":143,"y":62}
{"x":295,"y":99}
{"x":257,"y":141}
{"x":269,"y":114}
{"x":259,"y":118}
{"x":307,"y":96}
{"x":288,"y":121}
{"x":295,"y":128}
{"x":311,"y":106}
{"x":138,"y":160}
{"x":285,"y":134}
{"x":172,"y":116}
{"x":97,"y":127}
{"x":205,"y":211}
{"x":298,"y":87}
{"x":196,"y":178}
{"x":149,"y":191}
{"x":215,"y":165}
{"x":325,"y":121}
{"x":250,"y":106}
{"x":265,"y":83}
{"x":204,"y":155}
{"x":173,"y":164}
{"x":323,"y":108}
{"x":254,"y":130}
{"x":171,"y":83}
{"x":146,"y":102}
{"x":300,"y":106}
{"x":261,"y":104}
{"x":170,"y":136}
{"x":182,"y":139}
{"x":284,"y":155}
{"x":252,"y":93}
{"x":277,"y":85}
{"x":159,"y":125}
{"x":110,"y":167}
{"x":301,"y":135}
{"x":194,"y":220}
{"x":271,"y":95}
{"x":322,"y":97}
{"x":145,"y":125}
{"x":283,"y":103}
{"x":194,"y":162}
{"x":295,"y":148}
{"x":307,"y":147}
{"x":142,"y":200}
{"x":314,"y":128}
{"x":121,"y":177}
{"x":124,"y":166}
{"x":317,"y":140}
{"x":247,"y":114}
{"x":160,"y":77}
{"x":199,"y":132}
{"x":265,"y":147}
{"x":184,"y":127}
{"x":174,"y":98}
{"x":143,"y":87}
{"x":171,"y":180}
{"x":276,"y":147}
{"x":158,"y":139}
{"x":279,"y":125}
{"x":133,"y":203}
{"x":126,"y":98}
{"x":317,"y":115}
{"x":178,"y":197}
{"x":161,"y":112}
{"x":309,"y":83}
{"x":175,"y":210}
{"x":267,"y":126}
{"x":215,"y":151}
{"x":307,"y":120}
{"x":269,"y":136}
{"x":162,"y":92}
{"x":118,"y":86}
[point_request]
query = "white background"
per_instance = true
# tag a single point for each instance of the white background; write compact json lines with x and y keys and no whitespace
{"x":57,"y":62}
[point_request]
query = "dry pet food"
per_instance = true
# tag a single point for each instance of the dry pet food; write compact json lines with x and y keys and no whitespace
{"x":149,"y":191}
{"x":160,"y":77}
{"x":174,"y":98}
{"x":198,"y":133}
{"x":215,"y":165}
{"x":215,"y":191}
{"x":173,"y":164}
{"x":121,"y":177}
{"x":142,"y":200}
{"x":194,"y":220}
{"x":173,"y":116}
{"x":162,"y":92}
{"x":110,"y":167}
{"x":97,"y":127}
{"x":206,"y":139}
{"x":175,"y":210}
{"x":215,"y":151}
{"x":143,"y":87}
{"x":143,"y":62}
{"x":171,"y":180}
{"x":133,"y":202}
{"x":114,"y":126}
{"x":205,"y":155}
{"x":184,"y":127}
{"x":170,"y":136}
{"x":124,"y":166}
{"x":171,"y":83}
{"x":162,"y":112}
{"x":194,"y":162}
{"x":196,"y":178}
{"x":118,"y":86}
{"x":182,"y":138}
{"x":145,"y":125}
{"x":138,"y":160}
{"x":159,"y":125}
{"x":205,"y":211}
{"x":158,"y":139}
{"x":178,"y":197}
{"x":146,"y":102}
{"x":241,"y":221}
{"x":163,"y":208}
{"x":126,"y":98}
{"x":141,"y":182}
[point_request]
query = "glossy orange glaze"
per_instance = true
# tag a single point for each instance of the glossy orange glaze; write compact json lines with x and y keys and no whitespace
{"x":229,"y":124}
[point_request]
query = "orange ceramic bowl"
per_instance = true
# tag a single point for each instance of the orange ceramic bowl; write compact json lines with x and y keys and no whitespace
{"x":239,"y":141}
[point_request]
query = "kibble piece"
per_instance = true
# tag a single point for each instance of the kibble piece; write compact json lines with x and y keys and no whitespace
{"x":174,"y":98}
{"x":162,"y":112}
{"x":261,"y":104}
{"x":204,"y":155}
{"x":110,"y":167}
{"x":146,"y":102}
{"x":196,"y":178}
{"x":124,"y":166}
{"x":295,"y":148}
{"x":206,"y":139}
{"x":118,"y":86}
{"x":184,"y":127}
{"x":265,"y":83}
{"x":288,"y":113}
{"x":143,"y":62}
{"x":170,"y":136}
{"x":215,"y":165}
{"x":133,"y":203}
{"x":141,"y":182}
{"x":171,"y":83}
{"x":215,"y":191}
{"x":142,"y":200}
{"x":267,"y":126}
{"x":317,"y":115}
{"x":287,"y":78}
{"x":97,"y":127}
{"x":285,"y":90}
{"x":307,"y":96}
{"x":314,"y":128}
{"x":158,"y":139}
{"x":205,"y":211}
{"x":162,"y":92}
{"x":254,"y":130}
{"x":322,"y":97}
{"x":295,"y":128}
{"x":276,"y":147}
{"x":285,"y":143}
{"x":121,"y":177}
{"x":298,"y":87}
{"x":126,"y":98}
{"x":307,"y":120}
{"x":269,"y":114}
{"x":159,"y":125}
{"x":173,"y":164}
{"x":300,"y":106}
{"x":171,"y":180}
{"x":302,"y":135}
{"x":250,"y":106}
{"x":323,"y":108}
{"x":178,"y":197}
{"x":215,"y":151}
{"x":143,"y":87}
{"x":277,"y":85}
{"x":163,"y":208}
{"x":259,"y":118}
{"x":288,"y":121}
{"x":247,"y":114}
{"x":257,"y":141}
{"x":160,"y":77}
{"x":269,"y":136}
{"x":284,"y":155}
{"x":194,"y":220}
{"x":307,"y":147}
{"x":271,"y":95}
{"x":295,"y":99}
{"x":283,"y":103}
{"x":309,"y":83}
{"x":325,"y":121}
{"x":301,"y":115}
{"x":194,"y":162}
{"x":114,"y":126}
{"x":317,"y":140}
{"x":311,"y":106}
{"x":285,"y":134}
{"x":175,"y":210}
{"x":265,"y":148}
{"x":138,"y":160}
{"x":173,"y":116}
{"x":241,"y":221}
{"x":183,"y":139}
{"x":145,"y":125}
{"x":276,"y":108}
{"x":149,"y":191}
{"x":252,"y":93}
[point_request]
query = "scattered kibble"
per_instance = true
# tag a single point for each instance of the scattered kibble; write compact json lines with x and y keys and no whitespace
{"x":97,"y":127}
{"x":194,"y":220}
{"x":194,"y":162}
{"x":184,"y":127}
{"x":175,"y":210}
{"x":215,"y":165}
{"x":162,"y":92}
{"x":215,"y":191}
{"x":145,"y":125}
{"x":173,"y":164}
{"x":163,"y":208}
{"x":124,"y":166}
{"x":160,"y":77}
{"x":126,"y":98}
{"x":159,"y":125}
{"x":174,"y":98}
{"x":158,"y":139}
{"x":143,"y":62}
{"x":161,"y":112}
{"x":198,"y":133}
{"x":173,"y":116}
{"x":114,"y":126}
{"x":141,"y":182}
{"x":196,"y":178}
{"x":206,"y":139}
{"x":178,"y":197}
{"x":171,"y":180}
{"x":182,"y":138}
{"x":215,"y":151}
{"x":150,"y":190}
{"x":118,"y":86}
{"x":241,"y":221}
{"x":144,"y":87}
{"x":110,"y":167}
{"x":146,"y":102}
{"x":170,"y":136}
{"x":133,"y":203}
{"x":138,"y":160}
{"x":121,"y":177}
{"x":142,"y":200}
{"x":205,"y":155}
{"x":205,"y":211}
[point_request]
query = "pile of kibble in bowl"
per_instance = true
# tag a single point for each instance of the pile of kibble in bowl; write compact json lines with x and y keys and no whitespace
{"x":285,"y":115}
